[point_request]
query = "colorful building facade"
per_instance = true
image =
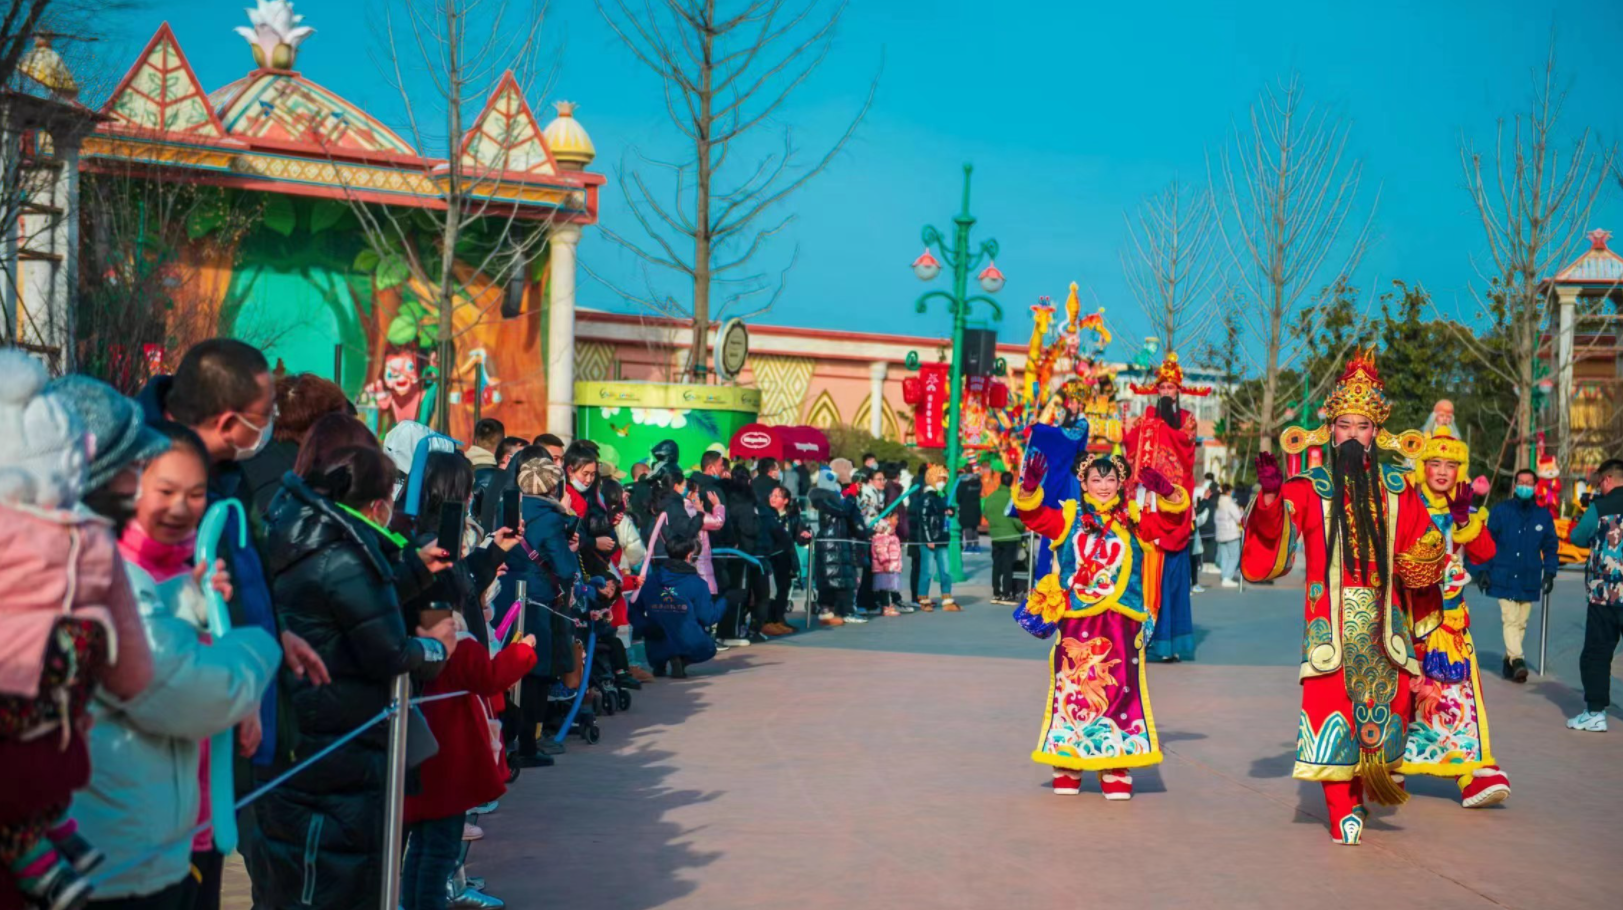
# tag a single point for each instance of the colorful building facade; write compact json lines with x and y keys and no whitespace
{"x":343,"y":219}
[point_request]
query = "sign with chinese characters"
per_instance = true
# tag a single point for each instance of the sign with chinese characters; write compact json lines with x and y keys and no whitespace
{"x":928,"y":415}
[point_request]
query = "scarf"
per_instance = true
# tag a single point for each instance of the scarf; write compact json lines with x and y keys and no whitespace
{"x":162,"y":561}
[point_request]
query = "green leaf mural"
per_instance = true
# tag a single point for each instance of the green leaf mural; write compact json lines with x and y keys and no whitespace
{"x":366,"y":261}
{"x":324,"y":213}
{"x":392,"y":270}
{"x":280,"y":216}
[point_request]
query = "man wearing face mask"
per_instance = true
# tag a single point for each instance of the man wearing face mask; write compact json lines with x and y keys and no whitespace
{"x":1164,"y":439}
{"x":224,"y":392}
{"x":1369,"y":542}
{"x":1523,"y":567}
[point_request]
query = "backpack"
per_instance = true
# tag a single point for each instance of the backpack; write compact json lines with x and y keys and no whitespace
{"x":1604,"y":577}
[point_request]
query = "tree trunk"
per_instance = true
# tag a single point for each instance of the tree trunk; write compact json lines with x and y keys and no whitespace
{"x":703,"y":174}
{"x":453,"y":219}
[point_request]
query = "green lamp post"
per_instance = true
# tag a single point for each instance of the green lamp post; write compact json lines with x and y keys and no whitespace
{"x":962,"y":259}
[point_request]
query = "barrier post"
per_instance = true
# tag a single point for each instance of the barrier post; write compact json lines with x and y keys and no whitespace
{"x":811,"y":560}
{"x":1543,"y":633}
{"x":394,"y":811}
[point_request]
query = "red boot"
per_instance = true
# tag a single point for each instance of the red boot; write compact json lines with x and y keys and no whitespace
{"x":1486,"y":786}
{"x":1117,"y":784}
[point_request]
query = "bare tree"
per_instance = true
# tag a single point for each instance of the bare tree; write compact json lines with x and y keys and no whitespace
{"x":475,"y":244}
{"x":1534,"y":201}
{"x":149,"y":240}
{"x":725,"y":74}
{"x":1170,"y":266}
{"x":1287,"y":197}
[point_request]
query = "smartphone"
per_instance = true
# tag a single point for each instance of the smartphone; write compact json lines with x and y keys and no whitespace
{"x":511,"y":516}
{"x":436,"y":612}
{"x":571,"y":526}
{"x":452,"y":520}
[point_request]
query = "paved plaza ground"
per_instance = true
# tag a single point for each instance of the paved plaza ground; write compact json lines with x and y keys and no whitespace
{"x":887,"y":766}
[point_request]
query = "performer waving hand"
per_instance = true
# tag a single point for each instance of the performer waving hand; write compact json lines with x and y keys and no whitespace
{"x":1102,"y":595}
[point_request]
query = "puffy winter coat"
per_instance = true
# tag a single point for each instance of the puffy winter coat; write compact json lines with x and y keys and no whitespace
{"x":837,"y":563}
{"x":1524,"y":550}
{"x":145,"y":752}
{"x":1228,"y":519}
{"x":336,"y":586}
{"x":672,"y":611}
{"x":931,"y":519}
{"x":545,"y":562}
{"x":464,"y":772}
{"x":969,"y":501}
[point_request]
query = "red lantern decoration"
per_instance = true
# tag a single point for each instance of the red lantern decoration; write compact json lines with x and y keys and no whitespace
{"x":912,"y":390}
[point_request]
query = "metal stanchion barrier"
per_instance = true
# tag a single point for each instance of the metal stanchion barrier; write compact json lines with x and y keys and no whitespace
{"x":811,"y":560}
{"x":1543,"y":633}
{"x":394,"y":824}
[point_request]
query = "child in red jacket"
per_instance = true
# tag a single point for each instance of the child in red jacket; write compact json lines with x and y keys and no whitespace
{"x":467,"y":771}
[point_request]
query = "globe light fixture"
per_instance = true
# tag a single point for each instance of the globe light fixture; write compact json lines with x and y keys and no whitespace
{"x":926,"y":266}
{"x":991,"y":278}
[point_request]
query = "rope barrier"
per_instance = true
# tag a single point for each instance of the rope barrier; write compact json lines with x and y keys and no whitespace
{"x":114,"y":871}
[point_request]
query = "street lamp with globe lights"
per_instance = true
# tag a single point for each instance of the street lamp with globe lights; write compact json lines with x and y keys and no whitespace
{"x":962,"y":259}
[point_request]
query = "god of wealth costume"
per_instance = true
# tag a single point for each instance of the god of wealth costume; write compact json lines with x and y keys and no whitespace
{"x":1164,"y":439}
{"x":1448,"y":736}
{"x":1101,"y":594}
{"x":1367,"y":536}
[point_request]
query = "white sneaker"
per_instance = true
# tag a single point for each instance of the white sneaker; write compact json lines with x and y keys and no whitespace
{"x":854,"y":618}
{"x":1589,"y":722}
{"x":1230,"y":583}
{"x":736,"y":642}
{"x":1197,"y":589}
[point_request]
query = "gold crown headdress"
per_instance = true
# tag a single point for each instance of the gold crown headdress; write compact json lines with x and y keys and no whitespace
{"x":1170,"y":371}
{"x":1442,"y":444}
{"x":1359,"y":391}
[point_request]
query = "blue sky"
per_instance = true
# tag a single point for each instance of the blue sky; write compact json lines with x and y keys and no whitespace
{"x":1071,"y":113}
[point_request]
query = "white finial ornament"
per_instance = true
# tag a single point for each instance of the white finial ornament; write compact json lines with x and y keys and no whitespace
{"x":276,"y":33}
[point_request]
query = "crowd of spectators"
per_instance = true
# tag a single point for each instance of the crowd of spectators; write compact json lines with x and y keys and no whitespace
{"x":146,"y":690}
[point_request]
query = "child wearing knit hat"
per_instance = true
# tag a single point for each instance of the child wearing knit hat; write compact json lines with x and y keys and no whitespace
{"x":56,"y":633}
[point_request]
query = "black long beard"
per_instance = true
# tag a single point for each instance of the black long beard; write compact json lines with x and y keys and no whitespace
{"x":1363,"y":545}
{"x":1168,"y":408}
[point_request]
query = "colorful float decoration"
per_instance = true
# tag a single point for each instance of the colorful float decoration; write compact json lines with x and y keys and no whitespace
{"x":1066,"y":383}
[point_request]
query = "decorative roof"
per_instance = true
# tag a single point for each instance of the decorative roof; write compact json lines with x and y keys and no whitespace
{"x":45,"y":66}
{"x":281,"y":106}
{"x":1598,"y":265}
{"x":568,"y":140}
{"x":161,"y":93}
{"x":506,"y":138}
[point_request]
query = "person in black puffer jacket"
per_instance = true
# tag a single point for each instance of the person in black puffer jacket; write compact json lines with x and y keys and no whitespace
{"x":334,"y":575}
{"x":836,"y":562}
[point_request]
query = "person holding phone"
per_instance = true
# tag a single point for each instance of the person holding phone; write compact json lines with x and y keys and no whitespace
{"x":545,"y":560}
{"x":442,"y":515}
{"x":337,"y":575}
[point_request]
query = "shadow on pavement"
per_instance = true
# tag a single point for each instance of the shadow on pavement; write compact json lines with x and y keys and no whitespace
{"x":552,"y":841}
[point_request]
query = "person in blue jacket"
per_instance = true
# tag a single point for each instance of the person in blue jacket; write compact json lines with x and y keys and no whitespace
{"x":546,"y":561}
{"x":673,"y":609}
{"x":1522,"y":568}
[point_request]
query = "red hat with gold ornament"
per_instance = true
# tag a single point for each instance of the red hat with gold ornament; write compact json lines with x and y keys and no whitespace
{"x":1359,"y":391}
{"x":1169,"y":371}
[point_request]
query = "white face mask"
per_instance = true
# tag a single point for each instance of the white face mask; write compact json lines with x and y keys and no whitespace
{"x":242,"y":454}
{"x":940,"y":485}
{"x":579,"y":486}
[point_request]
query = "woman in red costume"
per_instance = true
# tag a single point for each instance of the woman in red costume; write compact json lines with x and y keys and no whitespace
{"x":1368,"y":538}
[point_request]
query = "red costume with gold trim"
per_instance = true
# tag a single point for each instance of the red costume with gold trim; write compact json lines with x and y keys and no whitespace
{"x":1358,"y":666}
{"x":1448,"y":734}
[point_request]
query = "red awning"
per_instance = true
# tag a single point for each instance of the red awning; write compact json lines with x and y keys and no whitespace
{"x":757,"y":440}
{"x":804,"y":443}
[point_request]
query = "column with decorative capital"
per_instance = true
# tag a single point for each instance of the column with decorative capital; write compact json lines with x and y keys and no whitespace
{"x":561,"y":332}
